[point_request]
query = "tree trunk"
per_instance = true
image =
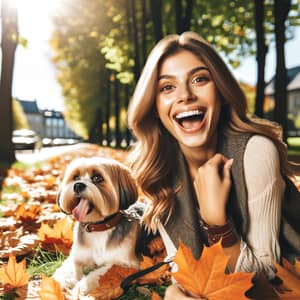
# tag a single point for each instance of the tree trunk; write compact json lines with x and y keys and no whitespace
{"x":107,"y":110}
{"x":9,"y":44}
{"x":144,"y":32}
{"x":127,"y":96}
{"x":137,"y":64}
{"x":281,"y":9}
{"x":260,"y":57}
{"x":156,"y":9}
{"x":183,"y":21}
{"x":96,"y":135}
{"x":117,"y":113}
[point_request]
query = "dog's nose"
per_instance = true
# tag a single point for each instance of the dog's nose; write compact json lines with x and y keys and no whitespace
{"x":79,"y":187}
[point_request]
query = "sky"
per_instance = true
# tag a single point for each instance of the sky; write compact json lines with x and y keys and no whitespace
{"x":35,"y":75}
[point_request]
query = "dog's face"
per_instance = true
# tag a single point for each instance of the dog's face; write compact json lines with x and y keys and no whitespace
{"x":94,"y":188}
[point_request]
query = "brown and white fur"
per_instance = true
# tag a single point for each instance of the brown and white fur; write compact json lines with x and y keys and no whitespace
{"x":92,"y":190}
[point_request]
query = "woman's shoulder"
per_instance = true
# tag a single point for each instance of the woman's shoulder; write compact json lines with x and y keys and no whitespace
{"x":261,"y":156}
{"x":261,"y":145}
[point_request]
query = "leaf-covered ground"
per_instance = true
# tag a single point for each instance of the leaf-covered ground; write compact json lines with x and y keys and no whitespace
{"x":35,"y":238}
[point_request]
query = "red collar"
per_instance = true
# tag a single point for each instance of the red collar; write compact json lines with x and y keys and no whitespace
{"x":108,"y":223}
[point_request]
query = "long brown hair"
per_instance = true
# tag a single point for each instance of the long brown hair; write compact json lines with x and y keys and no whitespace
{"x":155,"y":149}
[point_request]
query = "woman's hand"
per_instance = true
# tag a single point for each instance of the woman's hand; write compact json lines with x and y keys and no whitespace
{"x":212,"y":186}
{"x":174,"y":292}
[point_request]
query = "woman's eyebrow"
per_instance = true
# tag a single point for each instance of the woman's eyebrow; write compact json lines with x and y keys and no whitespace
{"x":192,"y":71}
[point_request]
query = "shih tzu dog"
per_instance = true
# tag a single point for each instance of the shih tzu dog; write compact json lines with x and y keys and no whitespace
{"x":96,"y":191}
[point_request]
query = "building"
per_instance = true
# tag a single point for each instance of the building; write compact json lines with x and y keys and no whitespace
{"x":293,"y":90}
{"x":34,"y":116}
{"x":55,"y":126}
{"x":48,"y":124}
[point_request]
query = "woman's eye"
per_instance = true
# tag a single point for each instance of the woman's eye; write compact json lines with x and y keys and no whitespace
{"x":166,"y":88}
{"x":96,"y":178}
{"x":76,"y":177}
{"x":200,"y":79}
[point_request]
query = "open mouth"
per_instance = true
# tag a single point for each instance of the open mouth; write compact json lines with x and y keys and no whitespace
{"x":82,"y":208}
{"x":191,"y":120}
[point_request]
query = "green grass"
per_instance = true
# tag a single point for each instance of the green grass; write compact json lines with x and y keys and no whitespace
{"x":44,"y":263}
{"x":294,"y":142}
{"x":26,"y":166}
{"x":134,"y":293}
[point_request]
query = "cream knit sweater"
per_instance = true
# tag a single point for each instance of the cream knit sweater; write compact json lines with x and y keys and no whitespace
{"x":265,"y":188}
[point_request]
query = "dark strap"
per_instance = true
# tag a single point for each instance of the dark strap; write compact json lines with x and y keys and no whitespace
{"x":105,"y":224}
{"x":128,"y":280}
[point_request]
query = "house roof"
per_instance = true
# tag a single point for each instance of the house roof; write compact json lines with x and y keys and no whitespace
{"x":29,"y":106}
{"x":293,"y":81}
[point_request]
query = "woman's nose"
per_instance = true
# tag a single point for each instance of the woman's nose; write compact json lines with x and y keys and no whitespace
{"x":185,"y":93}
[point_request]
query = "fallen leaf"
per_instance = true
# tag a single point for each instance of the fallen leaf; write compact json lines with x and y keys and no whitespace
{"x":262,"y":289}
{"x":109,"y":283}
{"x":60,"y":236}
{"x":158,"y":276}
{"x":51,"y":290}
{"x":293,"y":268}
{"x":27,"y":214}
{"x":206,"y":277}
{"x":14,"y":274}
{"x":62,"y":228}
{"x":155,"y":296}
{"x":156,"y":245}
{"x":291,"y":283}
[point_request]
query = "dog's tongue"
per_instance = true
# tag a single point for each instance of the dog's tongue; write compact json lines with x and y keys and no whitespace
{"x":81,"y":210}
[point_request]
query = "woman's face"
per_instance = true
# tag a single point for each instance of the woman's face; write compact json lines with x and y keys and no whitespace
{"x":187,"y":100}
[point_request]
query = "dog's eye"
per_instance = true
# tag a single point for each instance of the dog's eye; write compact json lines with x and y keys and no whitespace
{"x":76,"y":177}
{"x":96,"y":178}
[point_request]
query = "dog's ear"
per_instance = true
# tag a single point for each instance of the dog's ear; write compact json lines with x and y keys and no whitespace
{"x":127,"y":189}
{"x":58,"y":202}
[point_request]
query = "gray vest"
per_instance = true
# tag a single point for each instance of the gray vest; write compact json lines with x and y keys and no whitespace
{"x":184,"y":222}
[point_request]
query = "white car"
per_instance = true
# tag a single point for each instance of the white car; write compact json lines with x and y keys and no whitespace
{"x":26,"y":139}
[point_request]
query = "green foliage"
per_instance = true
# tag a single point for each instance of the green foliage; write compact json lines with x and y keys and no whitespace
{"x":45,"y":263}
{"x":98,"y":41}
{"x":250,"y":96}
{"x":297,"y":120}
{"x":20,"y":119}
{"x":136,"y":292}
{"x":76,"y":42}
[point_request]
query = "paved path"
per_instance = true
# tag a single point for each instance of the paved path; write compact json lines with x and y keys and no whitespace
{"x":27,"y":156}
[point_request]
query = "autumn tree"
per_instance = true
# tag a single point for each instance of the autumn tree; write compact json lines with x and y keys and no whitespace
{"x":281,"y":10}
{"x":100,"y":55}
{"x":19,"y":117}
{"x":76,"y":42}
{"x":8,"y":46}
{"x":260,"y":56}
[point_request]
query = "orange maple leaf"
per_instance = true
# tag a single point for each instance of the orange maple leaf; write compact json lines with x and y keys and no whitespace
{"x":206,"y":277}
{"x":155,"y":296}
{"x":158,"y":276}
{"x":14,"y":274}
{"x":27,"y":214}
{"x":295,"y":269}
{"x":109,"y":283}
{"x":156,"y":246}
{"x":60,"y":236}
{"x":291,"y":281}
{"x":51,"y":290}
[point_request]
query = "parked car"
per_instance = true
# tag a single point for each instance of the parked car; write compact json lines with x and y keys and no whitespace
{"x":26,"y":139}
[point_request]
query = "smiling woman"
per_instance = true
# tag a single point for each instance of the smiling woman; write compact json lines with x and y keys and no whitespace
{"x":211,"y":172}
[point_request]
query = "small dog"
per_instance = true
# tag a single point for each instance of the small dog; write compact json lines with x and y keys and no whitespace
{"x":96,"y":191}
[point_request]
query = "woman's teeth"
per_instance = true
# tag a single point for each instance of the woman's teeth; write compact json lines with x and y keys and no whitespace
{"x":190,"y":116}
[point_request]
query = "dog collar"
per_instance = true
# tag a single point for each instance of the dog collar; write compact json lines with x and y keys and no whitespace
{"x":105,"y":224}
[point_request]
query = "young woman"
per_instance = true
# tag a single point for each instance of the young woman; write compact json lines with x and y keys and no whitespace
{"x":210,"y":170}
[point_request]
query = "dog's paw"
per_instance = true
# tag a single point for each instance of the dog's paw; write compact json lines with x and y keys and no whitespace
{"x":65,"y":282}
{"x":85,"y":286}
